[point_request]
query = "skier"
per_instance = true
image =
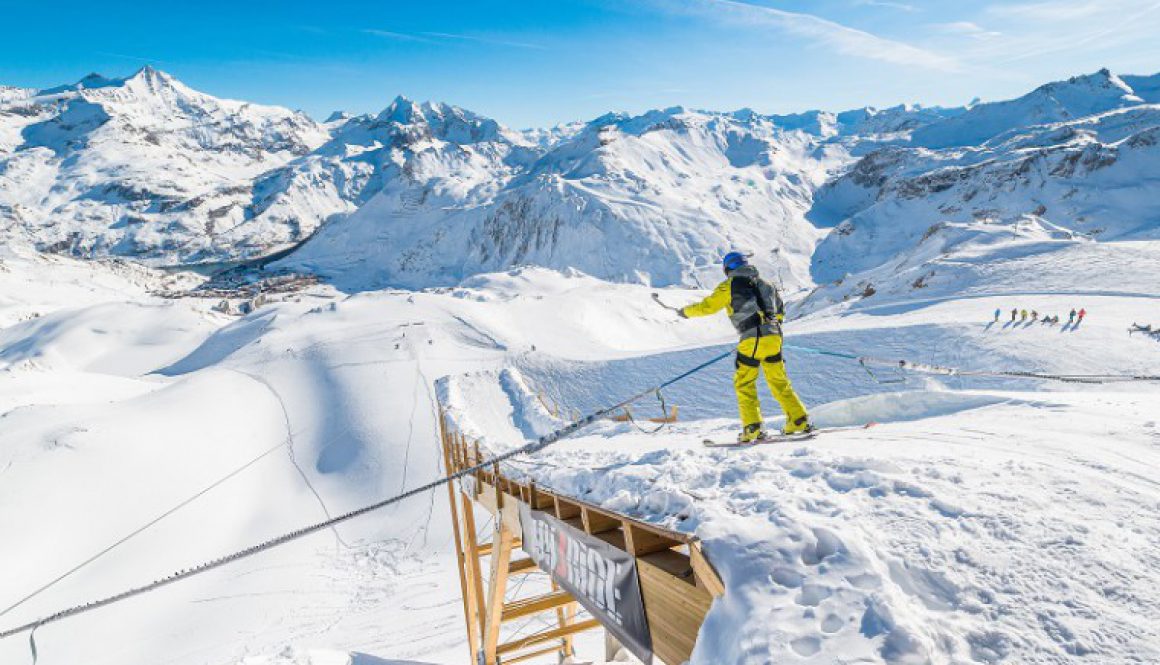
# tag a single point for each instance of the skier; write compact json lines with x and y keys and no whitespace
{"x":1014,"y":312}
{"x":1071,"y":319}
{"x":1034,"y":315}
{"x":997,"y":313}
{"x":755,"y":309}
{"x":1022,"y":315}
{"x":1082,"y":312}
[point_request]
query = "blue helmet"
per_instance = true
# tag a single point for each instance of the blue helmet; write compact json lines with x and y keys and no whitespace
{"x":733,"y":260}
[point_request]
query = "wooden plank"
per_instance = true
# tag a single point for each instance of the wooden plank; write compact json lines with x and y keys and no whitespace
{"x":473,"y":570}
{"x":485,"y":548}
{"x":547,"y":636}
{"x":646,"y":541}
{"x":525,"y":565}
{"x":511,"y":512}
{"x":707,"y":577}
{"x":497,"y":587}
{"x":596,"y":521}
{"x":614,"y":538}
{"x":675,"y":607}
{"x":529,"y":655}
{"x":541,"y":500}
{"x":487,"y":497}
{"x":566,"y":509}
{"x":467,"y":595}
{"x":535,"y":605}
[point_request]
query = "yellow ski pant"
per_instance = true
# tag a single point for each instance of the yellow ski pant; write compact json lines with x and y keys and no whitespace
{"x":764,"y":354}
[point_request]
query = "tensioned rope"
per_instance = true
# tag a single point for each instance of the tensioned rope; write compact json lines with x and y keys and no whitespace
{"x":535,"y":446}
{"x":127,"y":537}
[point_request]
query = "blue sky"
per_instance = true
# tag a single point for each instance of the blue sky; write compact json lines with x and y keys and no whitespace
{"x":535,"y":63}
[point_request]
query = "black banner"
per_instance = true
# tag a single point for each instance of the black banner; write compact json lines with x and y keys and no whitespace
{"x":601,"y":577}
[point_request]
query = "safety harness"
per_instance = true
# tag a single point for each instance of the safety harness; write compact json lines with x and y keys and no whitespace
{"x":766,"y":315}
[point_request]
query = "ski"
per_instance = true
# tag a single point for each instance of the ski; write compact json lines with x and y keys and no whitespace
{"x":782,"y":438}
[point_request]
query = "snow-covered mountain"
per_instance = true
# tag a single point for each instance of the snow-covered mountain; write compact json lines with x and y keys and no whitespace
{"x":1054,"y":102}
{"x":427,"y":194}
{"x":647,"y":198}
{"x":911,"y":214}
{"x":142,"y":167}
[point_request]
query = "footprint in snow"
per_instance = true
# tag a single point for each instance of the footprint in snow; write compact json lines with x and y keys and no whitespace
{"x":806,"y":646}
{"x":832,"y":623}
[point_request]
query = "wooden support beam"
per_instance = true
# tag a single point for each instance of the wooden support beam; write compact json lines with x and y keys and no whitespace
{"x":529,"y":655}
{"x":566,"y":616}
{"x":522,"y":566}
{"x":547,"y":636}
{"x":472,"y":568}
{"x":707,"y":576}
{"x":565,"y":509}
{"x":596,"y":521}
{"x":468,"y":595}
{"x":485,"y":548}
{"x":535,"y":605}
{"x":644,"y":541}
{"x":541,"y":500}
{"x":497,"y":587}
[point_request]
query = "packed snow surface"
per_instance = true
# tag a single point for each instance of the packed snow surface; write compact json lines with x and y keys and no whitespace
{"x":950,"y":531}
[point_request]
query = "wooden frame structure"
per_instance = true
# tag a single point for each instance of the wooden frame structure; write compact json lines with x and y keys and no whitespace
{"x":677,"y":582}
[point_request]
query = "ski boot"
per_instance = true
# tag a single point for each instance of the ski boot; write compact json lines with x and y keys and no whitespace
{"x":800,"y":426}
{"x":751,"y":434}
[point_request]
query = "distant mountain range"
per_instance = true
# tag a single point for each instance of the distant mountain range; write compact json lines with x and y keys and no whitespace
{"x":427,"y":194}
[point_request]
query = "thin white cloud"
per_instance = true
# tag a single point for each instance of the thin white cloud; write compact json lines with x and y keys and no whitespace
{"x":398,"y":36}
{"x":841,"y":38}
{"x":447,"y":37}
{"x":966,"y":29}
{"x":484,"y":40}
{"x":900,"y":6}
{"x":1072,"y":26}
{"x":1067,"y":10}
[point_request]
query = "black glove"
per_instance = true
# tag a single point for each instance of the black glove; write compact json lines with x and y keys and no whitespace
{"x":681,"y":313}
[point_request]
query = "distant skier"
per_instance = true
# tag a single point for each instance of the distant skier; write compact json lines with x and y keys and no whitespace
{"x":997,"y":313}
{"x":1034,"y":315}
{"x":1014,"y":313}
{"x":1082,"y":313}
{"x":1071,"y":318}
{"x":1022,"y":315}
{"x":756,"y":310}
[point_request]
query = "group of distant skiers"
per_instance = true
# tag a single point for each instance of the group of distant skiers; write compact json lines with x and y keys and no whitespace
{"x":1023,"y":315}
{"x":1147,"y":329}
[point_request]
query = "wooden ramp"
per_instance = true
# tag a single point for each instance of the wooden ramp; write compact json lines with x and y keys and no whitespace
{"x":648,"y":587}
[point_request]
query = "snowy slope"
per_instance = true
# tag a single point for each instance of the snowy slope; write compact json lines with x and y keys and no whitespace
{"x":137,"y":414}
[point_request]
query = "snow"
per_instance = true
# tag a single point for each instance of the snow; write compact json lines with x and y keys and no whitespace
{"x":979,"y":520}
